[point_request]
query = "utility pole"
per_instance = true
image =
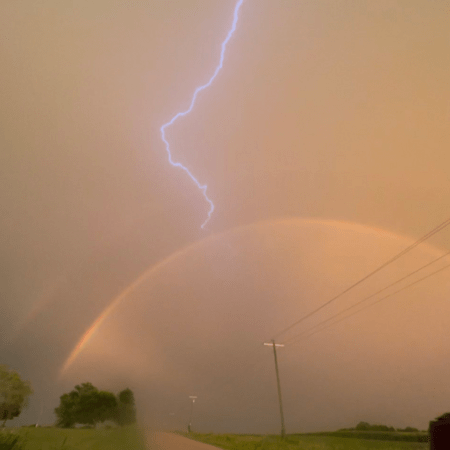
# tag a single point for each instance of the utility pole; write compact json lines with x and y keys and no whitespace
{"x":193,"y":397}
{"x":272,"y":344}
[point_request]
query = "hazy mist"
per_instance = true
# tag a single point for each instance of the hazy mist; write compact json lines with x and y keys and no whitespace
{"x":324,"y":144}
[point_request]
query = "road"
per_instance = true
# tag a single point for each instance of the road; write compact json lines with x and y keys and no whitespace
{"x":168,"y":441}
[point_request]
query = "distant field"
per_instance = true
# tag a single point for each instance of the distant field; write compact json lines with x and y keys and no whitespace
{"x":419,"y":436}
{"x":127,"y":438}
{"x":302,"y":442}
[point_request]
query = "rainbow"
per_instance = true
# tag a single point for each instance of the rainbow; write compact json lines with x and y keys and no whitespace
{"x":153,"y":269}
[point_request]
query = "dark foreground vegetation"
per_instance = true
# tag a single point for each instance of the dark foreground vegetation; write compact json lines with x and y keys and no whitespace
{"x":51,"y":438}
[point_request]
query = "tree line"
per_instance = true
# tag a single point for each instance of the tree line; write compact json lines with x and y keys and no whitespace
{"x":365,"y":426}
{"x":84,"y":405}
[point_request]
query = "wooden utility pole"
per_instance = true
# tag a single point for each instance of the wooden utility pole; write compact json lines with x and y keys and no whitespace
{"x":283,"y":430}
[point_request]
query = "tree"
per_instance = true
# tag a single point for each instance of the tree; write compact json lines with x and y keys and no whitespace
{"x":442,"y":418}
{"x":94,"y":405}
{"x":363,"y":426}
{"x":126,"y":397}
{"x":14,"y":394}
{"x":126,"y":410}
{"x":86,"y":405}
{"x":445,"y":416}
{"x":105,"y":406}
{"x":67,"y":410}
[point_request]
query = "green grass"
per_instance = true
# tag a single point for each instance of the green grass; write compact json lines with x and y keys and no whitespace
{"x":127,"y":438}
{"x":301,"y":442}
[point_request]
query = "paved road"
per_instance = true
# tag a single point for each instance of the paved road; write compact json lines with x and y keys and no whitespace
{"x":168,"y":441}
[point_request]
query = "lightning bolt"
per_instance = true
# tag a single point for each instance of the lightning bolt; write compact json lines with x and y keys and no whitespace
{"x":204,"y":187}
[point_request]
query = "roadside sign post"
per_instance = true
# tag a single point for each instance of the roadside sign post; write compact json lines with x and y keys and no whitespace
{"x":193,"y":397}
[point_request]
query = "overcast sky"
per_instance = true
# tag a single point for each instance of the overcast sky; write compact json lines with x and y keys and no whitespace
{"x":334,"y":111}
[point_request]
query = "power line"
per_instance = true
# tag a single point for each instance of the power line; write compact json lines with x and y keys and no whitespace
{"x":250,"y":356}
{"x":228,"y":382}
{"x":394,"y":258}
{"x":372,"y":304}
{"x":367,"y":298}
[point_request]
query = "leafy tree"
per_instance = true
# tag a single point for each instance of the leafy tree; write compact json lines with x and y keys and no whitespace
{"x":105,"y":406}
{"x":86,"y":405}
{"x":94,"y":405}
{"x":363,"y":426}
{"x":126,"y":397}
{"x":445,"y":416}
{"x":68,"y":409}
{"x":126,"y":410}
{"x":14,"y":393}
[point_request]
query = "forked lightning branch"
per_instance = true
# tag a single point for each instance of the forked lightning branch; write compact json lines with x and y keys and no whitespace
{"x":203,"y":187}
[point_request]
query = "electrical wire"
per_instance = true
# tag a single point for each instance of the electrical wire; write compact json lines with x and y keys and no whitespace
{"x":370,"y":305}
{"x":390,"y":261}
{"x":367,"y":298}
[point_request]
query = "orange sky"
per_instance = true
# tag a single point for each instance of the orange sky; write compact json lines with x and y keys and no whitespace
{"x":325,"y":109}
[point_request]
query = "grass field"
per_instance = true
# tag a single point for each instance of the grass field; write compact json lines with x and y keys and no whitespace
{"x":301,"y":442}
{"x":127,"y":438}
{"x":130,"y":438}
